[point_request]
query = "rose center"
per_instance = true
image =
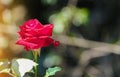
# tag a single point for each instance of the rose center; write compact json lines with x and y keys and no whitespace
{"x":31,"y":25}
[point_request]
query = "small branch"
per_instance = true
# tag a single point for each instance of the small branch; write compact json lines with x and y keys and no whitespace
{"x":95,"y":49}
{"x":80,"y":42}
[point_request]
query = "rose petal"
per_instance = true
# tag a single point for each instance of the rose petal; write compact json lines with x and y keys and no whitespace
{"x":46,"y":30}
{"x":45,"y":42}
{"x":34,"y":40}
{"x":56,"y":43}
{"x":26,"y":44}
{"x":33,"y":23}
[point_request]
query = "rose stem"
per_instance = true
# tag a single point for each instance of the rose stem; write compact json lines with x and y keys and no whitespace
{"x":36,"y":53}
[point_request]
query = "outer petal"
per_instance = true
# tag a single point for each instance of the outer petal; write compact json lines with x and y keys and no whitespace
{"x":56,"y":43}
{"x":22,"y":34}
{"x":45,"y":42}
{"x":46,"y":30}
{"x":41,"y":41}
{"x":34,"y":40}
{"x":35,"y":43}
{"x":26,"y":44}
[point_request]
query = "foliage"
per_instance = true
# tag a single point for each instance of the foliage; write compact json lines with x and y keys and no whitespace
{"x":52,"y":71}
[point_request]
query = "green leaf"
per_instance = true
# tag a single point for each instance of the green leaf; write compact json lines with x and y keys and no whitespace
{"x":52,"y":71}
{"x":21,"y":66}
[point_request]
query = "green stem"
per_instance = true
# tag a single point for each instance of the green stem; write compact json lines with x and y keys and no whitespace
{"x":35,"y":54}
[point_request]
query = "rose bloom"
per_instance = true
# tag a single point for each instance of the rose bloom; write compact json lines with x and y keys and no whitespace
{"x":34,"y":35}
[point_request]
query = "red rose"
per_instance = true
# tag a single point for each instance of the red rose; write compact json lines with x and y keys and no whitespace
{"x":34,"y":35}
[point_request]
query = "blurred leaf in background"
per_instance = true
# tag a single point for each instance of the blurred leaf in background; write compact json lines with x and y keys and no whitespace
{"x":63,"y":19}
